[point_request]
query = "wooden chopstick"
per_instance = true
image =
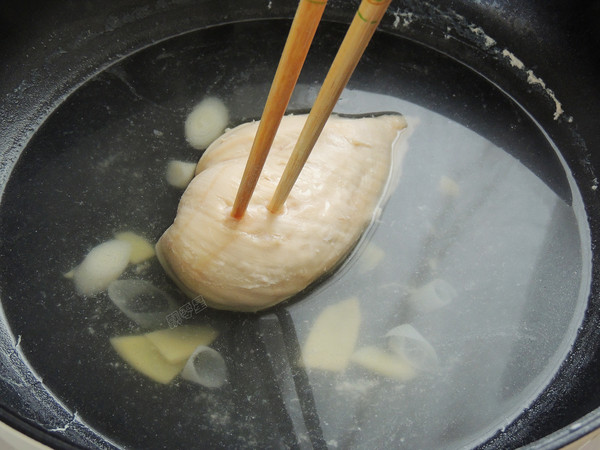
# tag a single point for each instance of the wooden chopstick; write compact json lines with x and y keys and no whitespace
{"x":301,"y":34}
{"x":368,"y":16}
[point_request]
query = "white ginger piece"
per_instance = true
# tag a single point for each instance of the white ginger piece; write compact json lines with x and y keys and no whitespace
{"x":206,"y":122}
{"x":180,"y":173}
{"x":102,"y":265}
{"x":141,"y":248}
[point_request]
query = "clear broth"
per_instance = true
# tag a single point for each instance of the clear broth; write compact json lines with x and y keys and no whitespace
{"x":513,"y":243}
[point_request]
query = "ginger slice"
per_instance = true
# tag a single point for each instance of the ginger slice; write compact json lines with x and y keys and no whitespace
{"x":141,"y":354}
{"x":332,"y":339}
{"x":177,"y":344}
{"x":383,"y":363}
{"x":141,"y":249}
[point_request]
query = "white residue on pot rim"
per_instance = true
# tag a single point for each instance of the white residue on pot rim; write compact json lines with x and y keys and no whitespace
{"x":535,"y":80}
{"x":407,"y":18}
{"x":462,"y":27}
{"x":487,"y":40}
{"x":514,"y":61}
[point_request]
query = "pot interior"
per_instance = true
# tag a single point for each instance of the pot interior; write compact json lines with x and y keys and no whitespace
{"x":486,"y":205}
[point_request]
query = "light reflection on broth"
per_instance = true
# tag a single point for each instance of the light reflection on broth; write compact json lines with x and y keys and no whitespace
{"x":497,"y":239}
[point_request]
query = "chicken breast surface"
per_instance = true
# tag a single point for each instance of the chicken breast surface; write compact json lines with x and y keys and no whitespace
{"x":264,"y":258}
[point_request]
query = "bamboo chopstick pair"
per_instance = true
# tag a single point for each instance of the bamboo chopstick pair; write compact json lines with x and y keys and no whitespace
{"x":304,"y":26}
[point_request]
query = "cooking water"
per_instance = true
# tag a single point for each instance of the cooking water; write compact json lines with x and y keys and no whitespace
{"x":480,"y":248}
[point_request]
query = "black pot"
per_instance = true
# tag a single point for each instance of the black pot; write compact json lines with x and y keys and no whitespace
{"x":532,"y":65}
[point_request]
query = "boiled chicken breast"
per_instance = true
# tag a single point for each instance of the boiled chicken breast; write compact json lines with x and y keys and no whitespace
{"x":264,"y":258}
